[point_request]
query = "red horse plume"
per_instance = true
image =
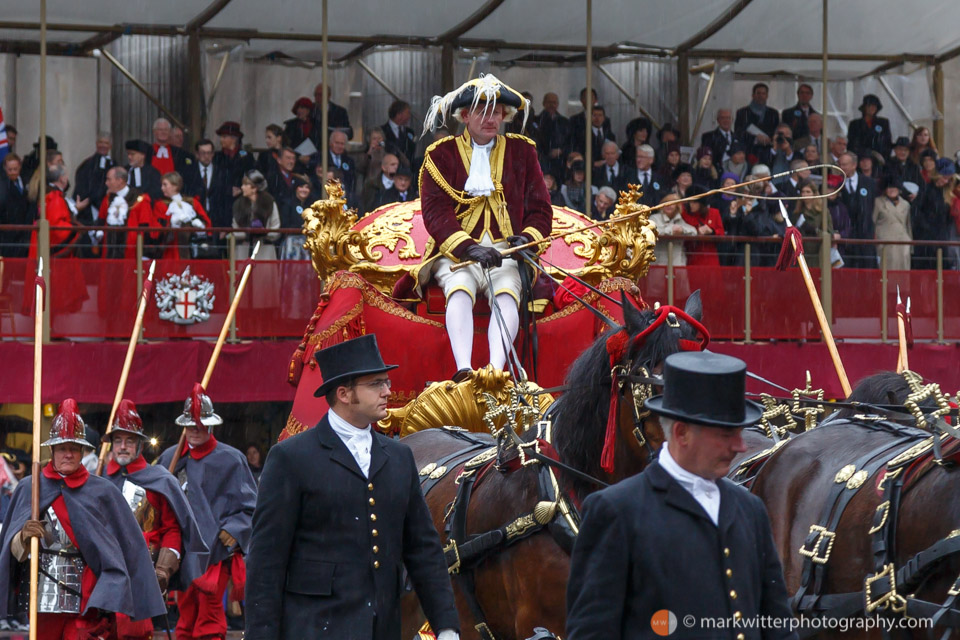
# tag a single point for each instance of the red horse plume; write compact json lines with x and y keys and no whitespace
{"x":196,"y":403}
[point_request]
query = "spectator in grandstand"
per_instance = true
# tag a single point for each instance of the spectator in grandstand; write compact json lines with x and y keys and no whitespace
{"x":859,"y":193}
{"x":280,"y":184}
{"x":928,"y":165}
{"x":790,"y":186}
{"x":368,"y":164}
{"x":682,"y":179}
{"x":556,"y":197}
{"x":337,"y":117}
{"x":143,"y":176}
{"x":553,"y":136}
{"x":669,"y":222}
{"x":254,"y":460}
{"x":757,"y":122}
{"x":300,"y":127}
{"x":12,"y":137}
{"x":811,"y":155}
{"x":402,"y":189}
{"x":291,"y":217}
{"x":761,"y":219}
{"x":256,"y":209}
{"x":176,"y":212}
{"x":707,"y":222}
{"x":705,"y":171}
{"x":782,"y":152}
{"x":737,"y":162}
{"x":599,"y":126}
{"x":671,"y":160}
{"x":338,"y":158}
{"x":814,"y":135}
{"x":891,"y":218}
{"x":610,"y":173}
{"x":399,"y":138}
{"x":232,"y":159}
{"x":603,"y":203}
{"x":870,"y":131}
{"x":14,"y":209}
{"x":728,"y":205}
{"x":720,"y":139}
{"x":668,"y":138}
{"x":797,"y":116}
{"x":574,"y":189}
{"x":638,"y":133}
{"x":375,"y":189}
{"x":532,"y":126}
{"x":90,"y":187}
{"x":216,"y":188}
{"x":32,"y":160}
{"x":901,"y":165}
{"x":652,"y":184}
{"x":808,"y":217}
{"x":838,"y":147}
{"x":267,"y":160}
{"x":870,"y":164}
{"x":933,"y":220}
{"x":922,"y":140}
{"x":166,"y":157}
{"x":838,"y":211}
{"x":176,"y":137}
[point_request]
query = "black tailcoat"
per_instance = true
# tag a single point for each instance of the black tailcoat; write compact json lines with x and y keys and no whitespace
{"x":15,"y":208}
{"x":646,"y":544}
{"x":860,"y":207}
{"x":796,"y":119}
{"x":329,"y":546}
{"x":404,"y":146}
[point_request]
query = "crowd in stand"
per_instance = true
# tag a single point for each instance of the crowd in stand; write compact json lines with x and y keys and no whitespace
{"x":892,"y":189}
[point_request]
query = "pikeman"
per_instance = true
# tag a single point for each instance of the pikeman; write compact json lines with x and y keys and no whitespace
{"x":168,"y":524}
{"x":481,"y":192}
{"x":223,"y":495}
{"x":93,"y":562}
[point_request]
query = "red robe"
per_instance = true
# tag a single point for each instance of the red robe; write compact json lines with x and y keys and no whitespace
{"x":139,"y":214}
{"x":58,"y":214}
{"x":703,"y":254}
{"x":163,"y":165}
{"x":172,"y":250}
{"x":68,"y":287}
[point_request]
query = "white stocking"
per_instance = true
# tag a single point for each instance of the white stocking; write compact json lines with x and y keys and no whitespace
{"x":511,"y":318}
{"x":459,"y":317}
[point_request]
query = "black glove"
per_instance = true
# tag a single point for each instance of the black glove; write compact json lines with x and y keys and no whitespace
{"x":516,"y":241}
{"x":486,"y":257}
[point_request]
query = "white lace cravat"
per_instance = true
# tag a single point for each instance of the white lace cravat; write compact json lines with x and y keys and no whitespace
{"x":163,"y":152}
{"x":705,"y":492}
{"x":357,"y":441}
{"x":180,"y":213}
{"x":479,"y":182}
{"x":117,"y":211}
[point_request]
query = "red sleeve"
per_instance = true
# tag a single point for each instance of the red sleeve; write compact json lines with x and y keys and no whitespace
{"x":715,"y":222}
{"x":537,"y":209}
{"x":58,"y":214}
{"x":166,"y":533}
{"x":160,"y":209}
{"x":439,"y":213}
{"x":103,"y":208}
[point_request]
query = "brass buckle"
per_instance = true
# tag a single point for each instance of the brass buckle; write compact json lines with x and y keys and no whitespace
{"x":639,"y":436}
{"x":484,"y":631}
{"x":452,"y":546}
{"x":885,"y":506}
{"x":954,"y":589}
{"x":819,"y":553}
{"x":891,"y":599}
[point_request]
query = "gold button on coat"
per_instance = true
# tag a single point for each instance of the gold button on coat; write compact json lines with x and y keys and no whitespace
{"x":733,"y":595}
{"x":740,"y":636}
{"x":376,"y":564}
{"x":376,"y":549}
{"x":372,"y":502}
{"x":370,"y":487}
{"x":374,"y":533}
{"x":737,"y":615}
{"x":373,"y":517}
{"x":726,"y":552}
{"x":729,"y":573}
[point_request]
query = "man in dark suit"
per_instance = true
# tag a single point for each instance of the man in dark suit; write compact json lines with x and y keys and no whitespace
{"x":611,"y":173}
{"x":340,"y":516}
{"x":337,"y":117}
{"x":14,"y":209}
{"x":759,"y":114}
{"x":398,"y":137}
{"x":859,"y":192}
{"x":90,"y":186}
{"x":653,"y":184}
{"x":599,"y":126}
{"x":216,"y":190}
{"x":553,"y":137}
{"x":796,"y":116}
{"x":680,"y":536}
{"x":720,"y":139}
{"x":338,"y":159}
{"x":143,"y":177}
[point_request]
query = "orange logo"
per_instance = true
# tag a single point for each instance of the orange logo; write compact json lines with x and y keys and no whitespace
{"x":663,"y":622}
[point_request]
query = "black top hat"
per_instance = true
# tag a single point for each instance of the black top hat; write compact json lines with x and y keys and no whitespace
{"x":142,"y":146}
{"x":871,"y":99}
{"x":403,"y":171}
{"x":705,"y":388}
{"x":902,"y":141}
{"x":230,"y":128}
{"x":343,"y":362}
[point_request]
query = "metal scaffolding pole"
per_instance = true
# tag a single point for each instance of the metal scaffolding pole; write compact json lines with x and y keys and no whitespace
{"x":826,"y":273}
{"x":43,"y":230}
{"x":324,"y":108}
{"x":587,"y":114}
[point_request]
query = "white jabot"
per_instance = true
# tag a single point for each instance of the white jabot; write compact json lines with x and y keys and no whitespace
{"x":163,"y":152}
{"x":358,"y":441}
{"x":180,"y":213}
{"x":705,"y":492}
{"x":479,"y":182}
{"x":117,"y":211}
{"x":387,"y":182}
{"x":448,"y":634}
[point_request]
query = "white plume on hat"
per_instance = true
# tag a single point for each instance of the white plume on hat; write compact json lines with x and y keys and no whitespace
{"x":486,"y":88}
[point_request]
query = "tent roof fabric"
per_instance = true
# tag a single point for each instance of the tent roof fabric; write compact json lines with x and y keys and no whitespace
{"x":856,"y":27}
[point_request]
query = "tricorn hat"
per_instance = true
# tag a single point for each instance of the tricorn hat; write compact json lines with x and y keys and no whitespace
{"x":487,"y":89}
{"x":68,"y":426}
{"x":198,"y":408}
{"x":341,"y":363}
{"x":142,"y":146}
{"x":705,"y":388}
{"x":230,"y":128}
{"x":127,"y":420}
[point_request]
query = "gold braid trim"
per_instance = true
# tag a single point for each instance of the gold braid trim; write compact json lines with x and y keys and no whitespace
{"x":339,"y":324}
{"x":522,"y":137}
{"x":458,"y":196}
{"x":294,"y":426}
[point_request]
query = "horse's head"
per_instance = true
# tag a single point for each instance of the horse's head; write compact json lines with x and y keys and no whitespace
{"x":600,"y":424}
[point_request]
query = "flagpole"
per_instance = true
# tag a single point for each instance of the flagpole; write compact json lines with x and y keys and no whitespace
{"x":219,"y":346}
{"x":127,"y":362}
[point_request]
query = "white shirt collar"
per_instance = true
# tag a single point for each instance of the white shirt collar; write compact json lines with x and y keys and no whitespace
{"x":705,"y":492}
{"x":387,"y":182}
{"x":123,"y":192}
{"x":395,"y":128}
{"x":357,"y":441}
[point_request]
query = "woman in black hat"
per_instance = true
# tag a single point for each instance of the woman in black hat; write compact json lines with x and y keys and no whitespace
{"x":870,"y":131}
{"x":891,"y":217}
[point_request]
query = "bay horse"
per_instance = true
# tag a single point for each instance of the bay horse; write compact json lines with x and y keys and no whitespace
{"x":518,"y":583}
{"x":866,"y":518}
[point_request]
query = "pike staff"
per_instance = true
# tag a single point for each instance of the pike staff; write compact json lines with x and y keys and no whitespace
{"x":219,"y":346}
{"x":35,"y":453}
{"x":127,"y":362}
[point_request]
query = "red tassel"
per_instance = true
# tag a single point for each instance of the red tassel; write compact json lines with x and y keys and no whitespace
{"x":788,"y":255}
{"x":196,"y":404}
{"x":610,"y":438}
